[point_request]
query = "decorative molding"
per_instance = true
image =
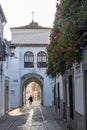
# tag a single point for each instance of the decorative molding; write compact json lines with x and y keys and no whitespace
{"x":31,"y":45}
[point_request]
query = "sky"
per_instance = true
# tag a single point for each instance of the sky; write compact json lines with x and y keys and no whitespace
{"x":19,"y":13}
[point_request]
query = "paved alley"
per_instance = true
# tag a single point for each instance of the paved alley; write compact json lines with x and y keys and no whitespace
{"x":32,"y":118}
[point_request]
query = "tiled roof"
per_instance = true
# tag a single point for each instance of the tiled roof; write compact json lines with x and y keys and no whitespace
{"x":32,"y":25}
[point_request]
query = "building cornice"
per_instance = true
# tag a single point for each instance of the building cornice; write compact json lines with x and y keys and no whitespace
{"x":31,"y":45}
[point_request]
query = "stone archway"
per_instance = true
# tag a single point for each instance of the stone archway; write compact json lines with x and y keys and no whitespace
{"x":33,"y":89}
{"x":26,"y":80}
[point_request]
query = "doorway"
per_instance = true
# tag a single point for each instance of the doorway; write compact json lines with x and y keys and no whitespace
{"x":71,"y":103}
{"x":34,"y":90}
{"x":6,"y":96}
{"x":32,"y":84}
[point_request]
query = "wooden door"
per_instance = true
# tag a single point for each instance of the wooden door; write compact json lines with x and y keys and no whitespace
{"x":6,"y":96}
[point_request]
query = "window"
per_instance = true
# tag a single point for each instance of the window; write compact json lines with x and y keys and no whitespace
{"x":41,"y":59}
{"x":28,"y":59}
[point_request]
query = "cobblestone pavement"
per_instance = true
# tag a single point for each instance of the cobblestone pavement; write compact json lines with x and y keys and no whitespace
{"x":32,"y":118}
{"x":51,"y":120}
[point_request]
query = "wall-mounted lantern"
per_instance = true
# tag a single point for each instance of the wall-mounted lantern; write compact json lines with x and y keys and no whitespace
{"x":8,"y":49}
{"x":1,"y":69}
{"x":12,"y":47}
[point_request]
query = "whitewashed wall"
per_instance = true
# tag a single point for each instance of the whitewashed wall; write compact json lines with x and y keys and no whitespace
{"x":15,"y":79}
{"x":5,"y":76}
{"x":47,"y":92}
{"x":1,"y":96}
{"x":79,"y":92}
{"x":27,"y":36}
{"x":2,"y":77}
{"x":18,"y":70}
{"x":32,"y":36}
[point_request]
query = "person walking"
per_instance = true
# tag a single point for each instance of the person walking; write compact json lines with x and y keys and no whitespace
{"x":30,"y":99}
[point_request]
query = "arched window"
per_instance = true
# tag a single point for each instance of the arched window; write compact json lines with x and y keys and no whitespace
{"x":41,"y":59}
{"x":28,"y":59}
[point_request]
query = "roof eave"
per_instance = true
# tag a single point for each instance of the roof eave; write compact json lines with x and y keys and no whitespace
{"x":2,"y":14}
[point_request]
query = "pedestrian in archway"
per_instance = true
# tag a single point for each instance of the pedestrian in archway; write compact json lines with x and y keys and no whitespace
{"x":30,"y":99}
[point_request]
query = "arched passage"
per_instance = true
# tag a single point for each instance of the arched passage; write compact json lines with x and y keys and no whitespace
{"x":35,"y":91}
{"x":34,"y":83}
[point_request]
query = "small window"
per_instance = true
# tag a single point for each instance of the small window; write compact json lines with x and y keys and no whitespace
{"x":28,"y":59}
{"x":41,"y":59}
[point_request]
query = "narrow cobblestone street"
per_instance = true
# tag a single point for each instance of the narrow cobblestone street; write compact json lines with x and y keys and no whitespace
{"x":32,"y":118}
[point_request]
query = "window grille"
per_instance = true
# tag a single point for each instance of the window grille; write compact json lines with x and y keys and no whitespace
{"x":29,"y":59}
{"x":41,"y":59}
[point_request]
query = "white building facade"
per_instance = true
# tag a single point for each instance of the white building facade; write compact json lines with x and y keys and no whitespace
{"x":5,"y":55}
{"x":30,"y":63}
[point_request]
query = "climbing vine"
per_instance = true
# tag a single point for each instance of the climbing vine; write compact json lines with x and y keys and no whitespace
{"x":69,"y":24}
